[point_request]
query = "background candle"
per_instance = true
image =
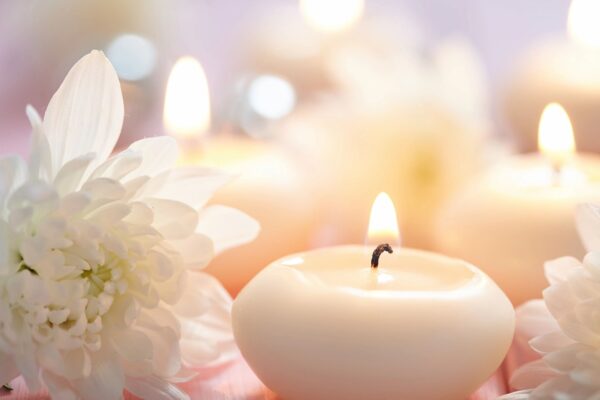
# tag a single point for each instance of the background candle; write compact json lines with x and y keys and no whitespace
{"x":267,"y":181}
{"x":521,"y":213}
{"x":354,"y":332}
{"x":566,"y":70}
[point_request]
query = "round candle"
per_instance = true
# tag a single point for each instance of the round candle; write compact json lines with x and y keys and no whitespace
{"x":522,"y":213}
{"x":566,"y":70}
{"x":339,"y":323}
{"x":268,"y":184}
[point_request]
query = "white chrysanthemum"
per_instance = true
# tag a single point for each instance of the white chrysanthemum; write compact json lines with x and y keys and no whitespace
{"x":99,"y":290}
{"x":568,"y":325}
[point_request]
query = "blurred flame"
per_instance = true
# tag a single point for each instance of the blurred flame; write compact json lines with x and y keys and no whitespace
{"x":555,"y":134}
{"x":383,"y":223}
{"x":582,"y":22}
{"x":331,"y":15}
{"x":187,"y":103}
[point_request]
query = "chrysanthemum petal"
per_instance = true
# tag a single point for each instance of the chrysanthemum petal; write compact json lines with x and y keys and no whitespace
{"x":173,"y":219}
{"x":13,"y":171}
{"x":86,"y":112}
{"x":216,"y":222}
{"x":8,"y":369}
{"x":531,"y":375}
{"x":197,"y":250}
{"x":588,"y":225}
{"x":557,"y":270}
{"x":151,"y":387}
{"x":193,"y":186}
{"x":106,"y":382}
{"x":40,"y":159}
{"x":158,"y":154}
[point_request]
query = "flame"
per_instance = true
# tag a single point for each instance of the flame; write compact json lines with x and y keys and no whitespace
{"x":582,"y":22}
{"x":187,"y":103}
{"x":555,"y":135}
{"x":331,"y":15}
{"x":383,"y":223}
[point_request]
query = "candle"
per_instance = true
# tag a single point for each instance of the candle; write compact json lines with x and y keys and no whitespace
{"x":566,"y":70}
{"x":342,"y":323}
{"x":267,"y":181}
{"x":521,"y":213}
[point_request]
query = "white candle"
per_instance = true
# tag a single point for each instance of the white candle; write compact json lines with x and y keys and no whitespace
{"x":267,"y":182}
{"x":521,"y":213}
{"x":327,"y":325}
{"x":566,"y":70}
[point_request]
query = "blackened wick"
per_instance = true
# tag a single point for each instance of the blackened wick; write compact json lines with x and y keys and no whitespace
{"x":377,"y":252}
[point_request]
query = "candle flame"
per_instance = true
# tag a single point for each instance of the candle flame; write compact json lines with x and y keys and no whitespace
{"x":383,"y":223}
{"x":582,"y":22}
{"x":187,"y":104}
{"x":331,"y":15}
{"x":555,"y":135}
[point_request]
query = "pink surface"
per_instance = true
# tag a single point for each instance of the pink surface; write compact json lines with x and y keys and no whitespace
{"x":237,"y":382}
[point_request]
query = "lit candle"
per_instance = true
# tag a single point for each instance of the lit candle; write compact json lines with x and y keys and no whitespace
{"x":267,"y":181}
{"x":345,"y":323}
{"x":566,"y":70}
{"x":521,"y":213}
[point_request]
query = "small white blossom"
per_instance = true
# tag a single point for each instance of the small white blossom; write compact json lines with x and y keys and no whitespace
{"x":99,"y":256}
{"x":567,"y":324}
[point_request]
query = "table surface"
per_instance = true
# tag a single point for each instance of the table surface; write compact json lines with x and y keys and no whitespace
{"x":236,"y":381}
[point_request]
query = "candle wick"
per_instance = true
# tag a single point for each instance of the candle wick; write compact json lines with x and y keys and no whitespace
{"x":377,"y":252}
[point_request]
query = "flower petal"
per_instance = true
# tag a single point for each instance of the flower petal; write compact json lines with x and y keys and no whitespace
{"x":40,"y":159}
{"x":13,"y":172}
{"x":588,"y":225}
{"x":227,"y":227}
{"x":158,"y":154}
{"x":86,"y":112}
{"x":197,"y":250}
{"x":8,"y":369}
{"x":152,"y":387}
{"x":557,"y":270}
{"x":173,"y":219}
{"x":193,"y":186}
{"x":106,"y":381}
{"x":531,"y":375}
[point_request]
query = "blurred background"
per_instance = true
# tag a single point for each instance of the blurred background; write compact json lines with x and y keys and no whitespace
{"x":318,"y":105}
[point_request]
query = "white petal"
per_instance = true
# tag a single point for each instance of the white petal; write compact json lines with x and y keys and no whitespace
{"x":173,"y":219}
{"x":203,"y":294}
{"x":70,"y":176}
{"x":519,"y":395}
{"x":8,"y":369}
{"x":531,"y":375}
{"x":132,"y":345}
{"x":152,"y":387}
{"x":588,"y":225}
{"x":119,"y":165}
{"x":58,"y":387}
{"x":557,"y":270}
{"x":13,"y":172}
{"x":197,"y":250}
{"x":193,"y":186}
{"x":106,"y":382}
{"x":158,"y":154}
{"x":86,"y":112}
{"x":40,"y":159}
{"x":227,"y":227}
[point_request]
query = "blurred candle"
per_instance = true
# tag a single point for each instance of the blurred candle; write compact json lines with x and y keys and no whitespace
{"x":522,"y":213}
{"x":354,"y":327}
{"x":331,"y":16}
{"x":562,"y":69}
{"x":268,"y":184}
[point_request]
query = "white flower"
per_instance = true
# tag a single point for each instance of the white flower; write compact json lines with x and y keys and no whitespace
{"x":567,"y":324}
{"x":99,"y":288}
